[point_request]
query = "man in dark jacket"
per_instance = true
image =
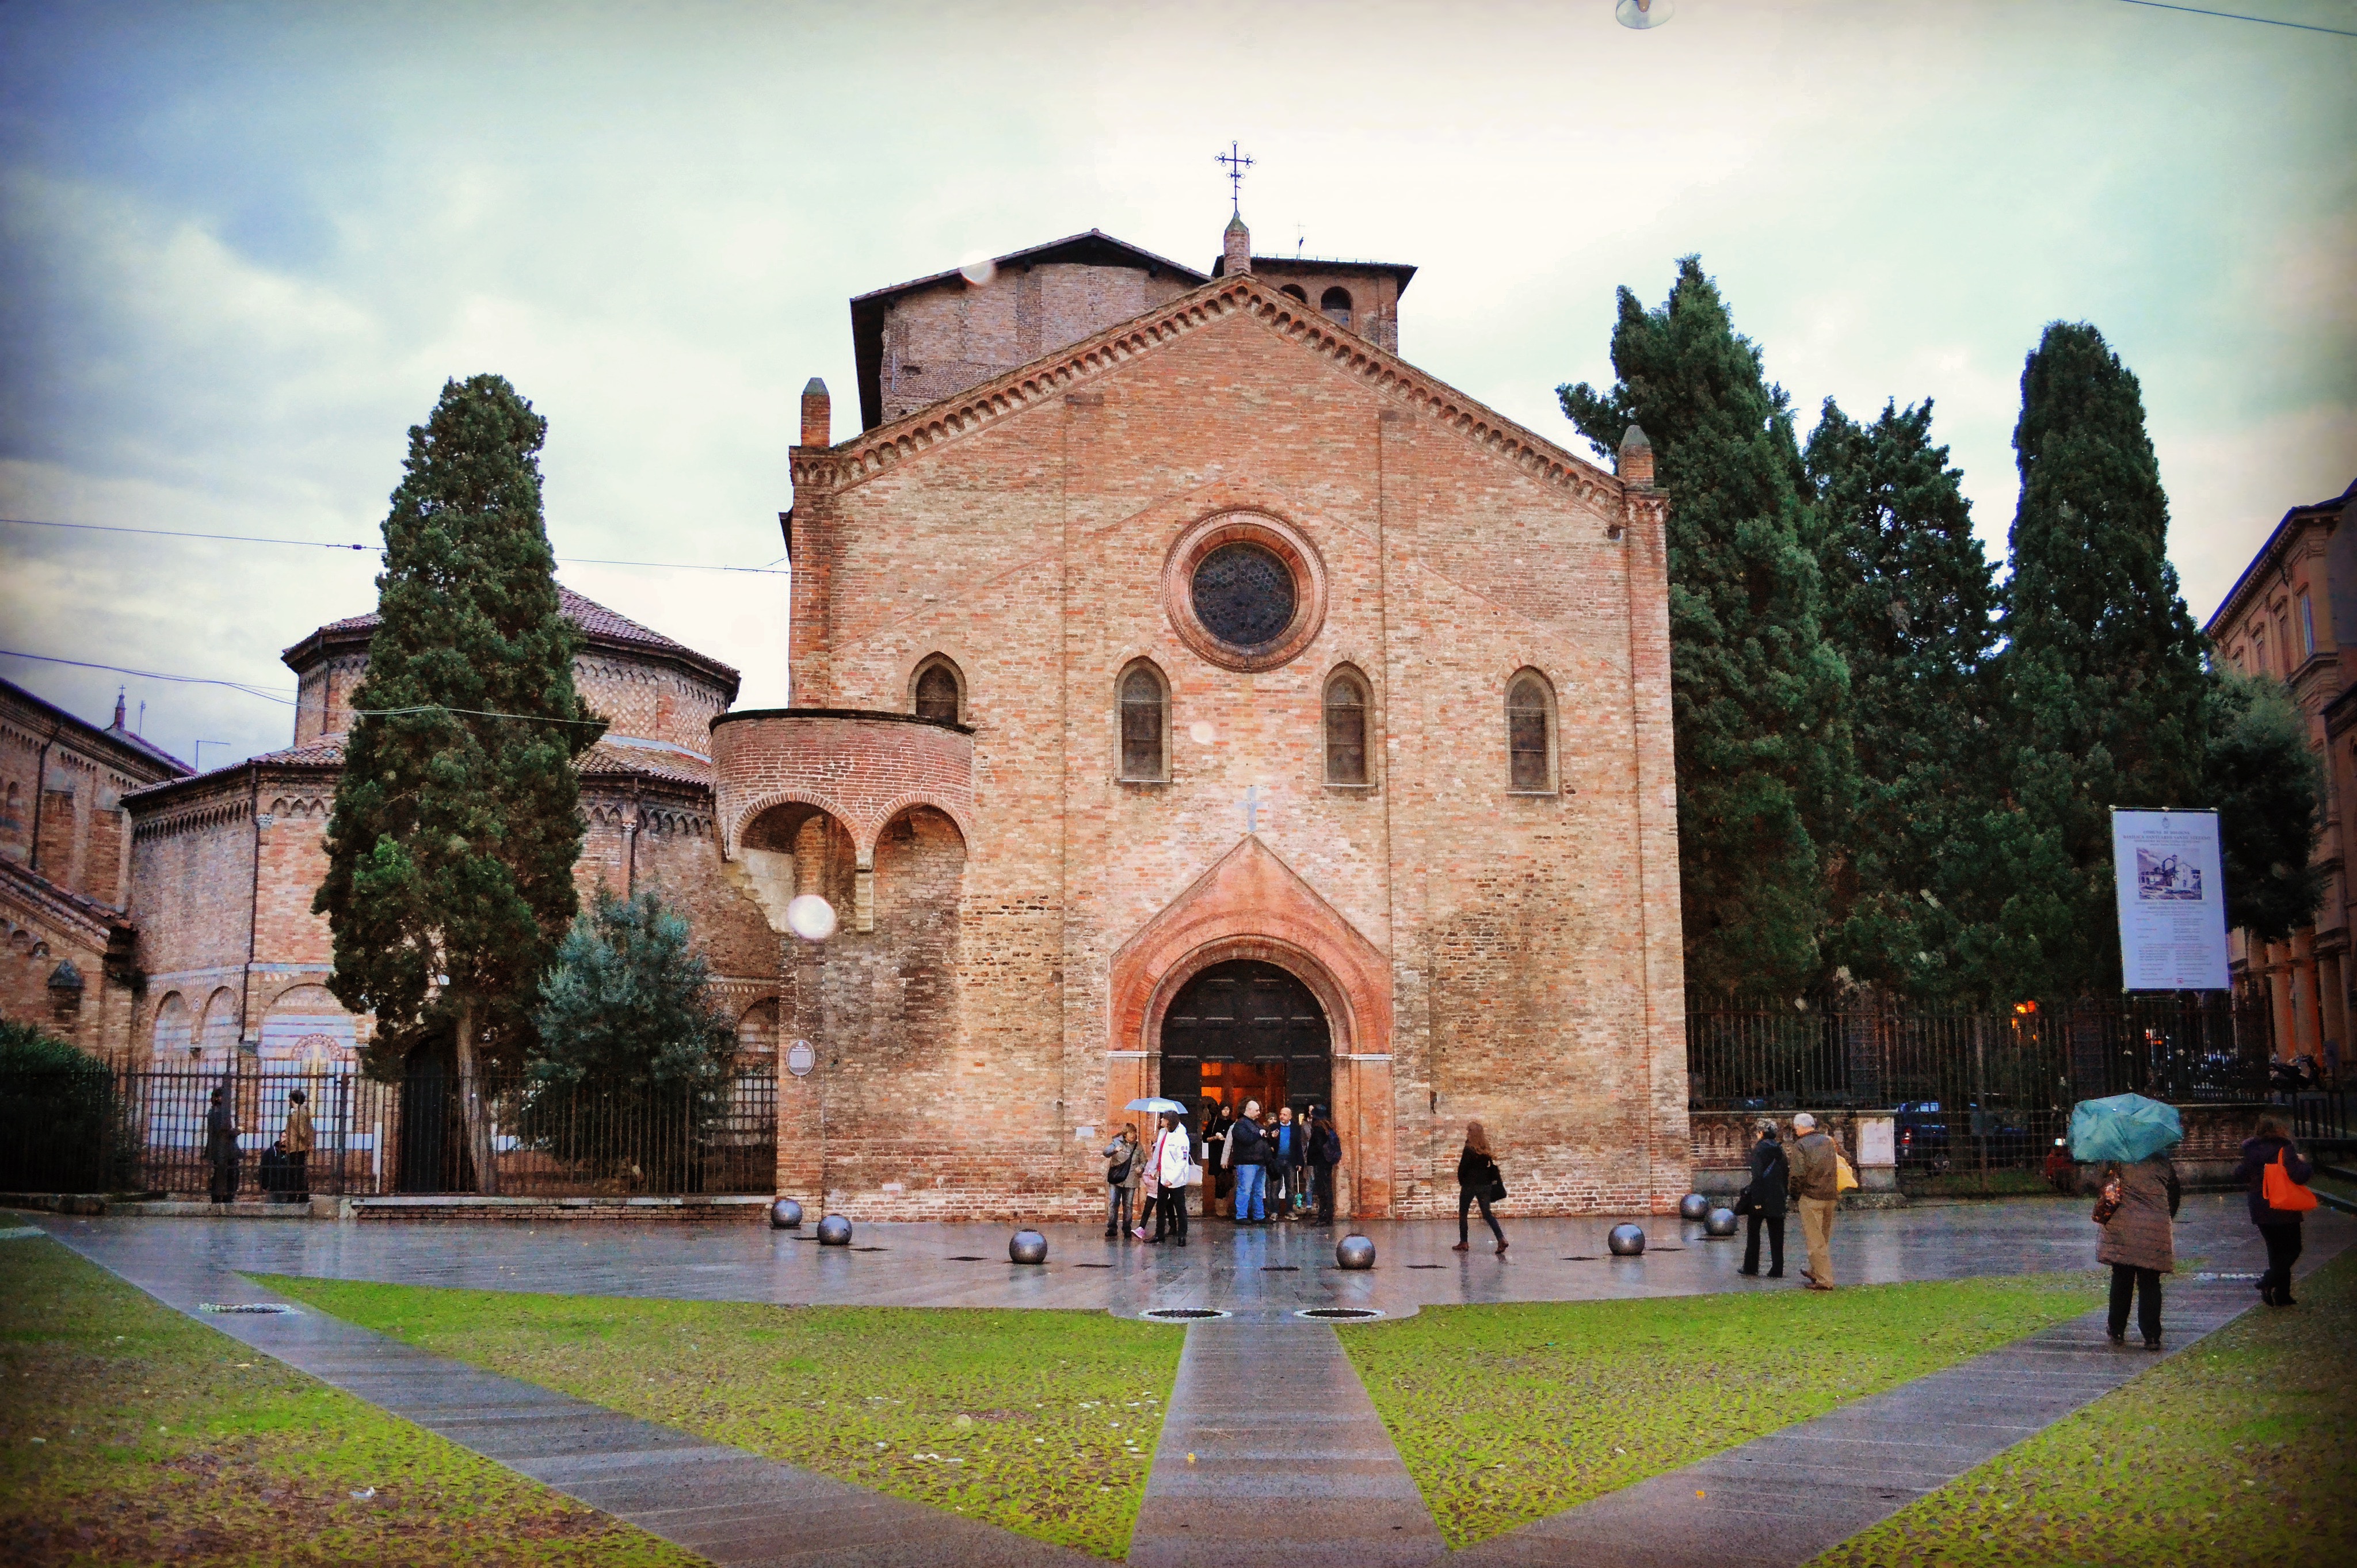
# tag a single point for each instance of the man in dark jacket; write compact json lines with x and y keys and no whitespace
{"x":1288,"y":1157}
{"x":220,"y":1148}
{"x":1325,"y":1153}
{"x":1763,"y":1203}
{"x":1247,"y":1156}
{"x":2280,"y":1228}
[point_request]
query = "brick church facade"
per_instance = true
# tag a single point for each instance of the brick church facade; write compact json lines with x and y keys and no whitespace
{"x":1190,"y":697}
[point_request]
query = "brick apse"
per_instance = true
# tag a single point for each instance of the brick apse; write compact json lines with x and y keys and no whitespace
{"x":1190,"y":696}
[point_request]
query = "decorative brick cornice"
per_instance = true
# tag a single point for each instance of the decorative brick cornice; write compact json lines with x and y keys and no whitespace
{"x":985,"y":404}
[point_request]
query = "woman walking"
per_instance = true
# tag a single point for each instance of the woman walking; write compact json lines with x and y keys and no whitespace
{"x":2139,"y":1243}
{"x":1762,"y":1203}
{"x":1170,"y":1162}
{"x":1479,"y":1181}
{"x":1121,"y":1167}
{"x":2271,"y":1146}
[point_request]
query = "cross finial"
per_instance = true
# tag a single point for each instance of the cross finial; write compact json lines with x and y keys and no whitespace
{"x":1237,"y":161}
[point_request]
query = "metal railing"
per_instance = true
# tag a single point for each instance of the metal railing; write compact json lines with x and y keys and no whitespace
{"x":118,"y":1130}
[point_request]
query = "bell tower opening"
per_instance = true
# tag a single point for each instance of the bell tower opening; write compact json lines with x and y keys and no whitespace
{"x":1245,"y":1030}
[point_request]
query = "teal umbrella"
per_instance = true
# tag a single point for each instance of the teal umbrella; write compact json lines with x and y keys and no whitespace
{"x":2125,"y":1127}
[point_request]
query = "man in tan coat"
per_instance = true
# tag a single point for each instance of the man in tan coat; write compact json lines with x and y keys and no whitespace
{"x":1816,"y":1183}
{"x":296,"y":1142}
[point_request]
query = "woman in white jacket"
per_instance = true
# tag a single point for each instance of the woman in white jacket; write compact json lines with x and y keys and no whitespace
{"x":1171,"y":1149}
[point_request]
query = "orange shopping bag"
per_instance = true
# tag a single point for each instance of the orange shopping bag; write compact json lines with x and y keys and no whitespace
{"x":2283,"y":1193}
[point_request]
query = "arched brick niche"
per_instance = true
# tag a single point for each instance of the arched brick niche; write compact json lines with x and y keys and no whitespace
{"x":861,"y":768}
{"x":1252,"y":905}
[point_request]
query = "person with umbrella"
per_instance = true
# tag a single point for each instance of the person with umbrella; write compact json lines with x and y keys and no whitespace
{"x":1166,"y":1169}
{"x":2132,"y":1137}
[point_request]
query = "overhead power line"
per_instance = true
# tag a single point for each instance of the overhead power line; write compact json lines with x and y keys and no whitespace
{"x":2239,"y":17}
{"x":267,"y":693}
{"x":768,"y":571}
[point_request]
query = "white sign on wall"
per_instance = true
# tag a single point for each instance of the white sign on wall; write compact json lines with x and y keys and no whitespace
{"x":2172,"y":896}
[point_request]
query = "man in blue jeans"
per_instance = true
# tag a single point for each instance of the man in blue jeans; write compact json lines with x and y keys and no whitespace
{"x":1247,"y":1151}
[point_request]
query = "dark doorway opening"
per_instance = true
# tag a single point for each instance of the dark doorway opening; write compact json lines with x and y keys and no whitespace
{"x":1246,"y":1030}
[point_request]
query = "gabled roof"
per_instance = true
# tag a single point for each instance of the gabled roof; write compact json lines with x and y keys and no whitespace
{"x":1053,"y":375}
{"x":1093,"y":247}
{"x":600,"y":628}
{"x":133,"y":755}
{"x":2314,"y":511}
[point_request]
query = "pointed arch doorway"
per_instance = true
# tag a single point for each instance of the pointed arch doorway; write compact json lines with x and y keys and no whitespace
{"x":1247,"y":1030}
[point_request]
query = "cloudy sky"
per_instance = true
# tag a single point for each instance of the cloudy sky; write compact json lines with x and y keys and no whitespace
{"x":241,"y":246}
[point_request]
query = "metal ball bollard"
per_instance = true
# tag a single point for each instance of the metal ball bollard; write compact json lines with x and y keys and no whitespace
{"x":785,"y":1215}
{"x":834,"y":1230}
{"x":1027,"y":1247}
{"x":1354,"y":1252}
{"x":1692,"y":1206}
{"x":1720,"y":1222}
{"x":1626,"y":1241}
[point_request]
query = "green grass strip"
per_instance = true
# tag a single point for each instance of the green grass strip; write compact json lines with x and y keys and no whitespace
{"x":1505,"y":1414}
{"x":2240,"y":1450}
{"x":130,"y":1434}
{"x":1039,"y":1422}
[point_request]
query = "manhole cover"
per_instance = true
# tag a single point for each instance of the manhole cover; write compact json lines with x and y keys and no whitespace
{"x":1338,"y":1313}
{"x":871,"y":1249}
{"x":1280,"y":1267}
{"x":1181,"y":1314}
{"x":966,"y":1258}
{"x":243,"y":1306}
{"x":1427,"y":1265}
{"x":1581,"y":1258}
{"x":1669,"y":1249}
{"x":1092,"y":1265}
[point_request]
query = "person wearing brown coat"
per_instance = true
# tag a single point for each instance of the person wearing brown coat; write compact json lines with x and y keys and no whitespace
{"x":294,"y":1141}
{"x":2140,"y":1244}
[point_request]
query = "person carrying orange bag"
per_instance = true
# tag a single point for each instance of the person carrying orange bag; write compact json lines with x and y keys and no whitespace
{"x":2275,"y":1178}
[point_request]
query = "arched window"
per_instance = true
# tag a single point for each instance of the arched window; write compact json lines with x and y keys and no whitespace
{"x":940,"y":695}
{"x":1336,"y":305}
{"x":1294,"y":291}
{"x":1346,"y":728}
{"x":1530,"y":749}
{"x":1145,"y":724}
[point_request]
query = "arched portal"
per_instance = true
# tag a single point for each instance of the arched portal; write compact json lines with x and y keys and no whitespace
{"x":1247,"y":1029}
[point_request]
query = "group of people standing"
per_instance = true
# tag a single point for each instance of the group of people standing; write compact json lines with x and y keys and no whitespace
{"x":284,"y":1173}
{"x":1260,"y":1167}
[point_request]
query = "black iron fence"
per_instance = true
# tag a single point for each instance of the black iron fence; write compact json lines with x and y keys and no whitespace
{"x":1991,"y":1089}
{"x":110,"y":1129}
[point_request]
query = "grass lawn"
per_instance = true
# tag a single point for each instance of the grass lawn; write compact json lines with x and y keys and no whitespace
{"x":130,"y":1434}
{"x":2244,"y":1449}
{"x":1505,"y":1414}
{"x":1040,"y":1422}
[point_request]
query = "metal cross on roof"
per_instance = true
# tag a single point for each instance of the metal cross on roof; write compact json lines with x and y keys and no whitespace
{"x":1237,"y":161}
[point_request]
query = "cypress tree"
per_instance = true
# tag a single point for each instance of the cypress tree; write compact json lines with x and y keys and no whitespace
{"x":1765,"y":773}
{"x":456,"y":824}
{"x":1911,"y":603}
{"x":2103,"y":687}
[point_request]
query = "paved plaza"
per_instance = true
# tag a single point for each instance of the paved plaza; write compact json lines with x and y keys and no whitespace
{"x":1328,"y":1490}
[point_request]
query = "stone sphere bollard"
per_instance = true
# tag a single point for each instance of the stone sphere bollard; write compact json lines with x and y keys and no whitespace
{"x":1626,"y":1241}
{"x":1721,"y":1222}
{"x":1692,"y":1206}
{"x":1028,"y":1247}
{"x":834,"y":1230}
{"x":785,"y":1215}
{"x":1355,"y":1252}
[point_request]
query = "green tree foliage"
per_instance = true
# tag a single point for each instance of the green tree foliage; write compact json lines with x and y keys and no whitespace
{"x":1765,"y":772}
{"x":1911,"y":603}
{"x":2267,"y":784}
{"x":632,"y":1058}
{"x":457,"y":821}
{"x":2103,"y":689}
{"x":63,"y":1128}
{"x":629,"y":1001}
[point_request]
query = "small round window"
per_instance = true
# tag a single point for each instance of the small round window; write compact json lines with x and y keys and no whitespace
{"x":1243,"y":596}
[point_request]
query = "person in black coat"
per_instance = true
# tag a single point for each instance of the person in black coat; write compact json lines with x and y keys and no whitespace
{"x":1762,"y":1203}
{"x":2280,"y":1228}
{"x":1325,"y":1155}
{"x":1478,"y":1181}
{"x":220,"y":1148}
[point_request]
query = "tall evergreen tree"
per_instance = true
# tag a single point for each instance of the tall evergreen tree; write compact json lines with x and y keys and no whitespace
{"x":1911,"y":603}
{"x":1765,"y":772}
{"x":2102,"y":686}
{"x":456,"y":824}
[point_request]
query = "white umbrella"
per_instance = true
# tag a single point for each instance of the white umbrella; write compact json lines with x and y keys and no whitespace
{"x":1157,"y":1106}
